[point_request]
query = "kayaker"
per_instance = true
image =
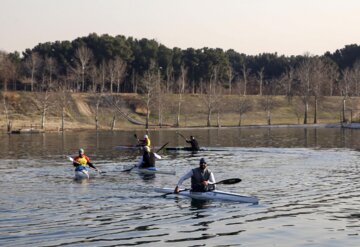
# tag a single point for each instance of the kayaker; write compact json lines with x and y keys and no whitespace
{"x":148,"y":158}
{"x":82,"y":162}
{"x":194,"y":143}
{"x":202,"y":179}
{"x":145,"y":142}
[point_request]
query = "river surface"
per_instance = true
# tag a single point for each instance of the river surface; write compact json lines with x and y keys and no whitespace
{"x":307,"y":182}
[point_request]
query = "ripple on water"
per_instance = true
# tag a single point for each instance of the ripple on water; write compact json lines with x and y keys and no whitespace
{"x":307,"y":197}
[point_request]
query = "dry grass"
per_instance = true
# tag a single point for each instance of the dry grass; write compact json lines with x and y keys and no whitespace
{"x":24,"y":111}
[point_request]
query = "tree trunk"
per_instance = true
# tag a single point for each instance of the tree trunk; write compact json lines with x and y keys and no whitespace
{"x":209,"y":118}
{"x":306,"y":112}
{"x":343,"y":110}
{"x":113,"y":122}
{"x":63,"y":119}
{"x":315,"y":110}
{"x":178,"y":113}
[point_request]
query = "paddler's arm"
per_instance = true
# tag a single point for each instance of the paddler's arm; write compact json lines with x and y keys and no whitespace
{"x":157,"y":156}
{"x":182,"y":179}
{"x":210,"y":181}
{"x":75,"y":163}
{"x":92,"y":166}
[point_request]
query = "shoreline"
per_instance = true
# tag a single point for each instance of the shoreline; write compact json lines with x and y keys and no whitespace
{"x":329,"y":125}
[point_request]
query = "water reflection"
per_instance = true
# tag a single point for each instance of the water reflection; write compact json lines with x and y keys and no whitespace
{"x":306,"y":179}
{"x":199,"y":204}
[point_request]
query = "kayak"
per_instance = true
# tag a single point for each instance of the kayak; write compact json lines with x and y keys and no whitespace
{"x":212,"y":195}
{"x":189,"y":149}
{"x":83,"y":174}
{"x":131,"y":147}
{"x":149,"y":170}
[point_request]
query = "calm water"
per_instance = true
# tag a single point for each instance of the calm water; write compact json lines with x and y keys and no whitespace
{"x":307,"y":182}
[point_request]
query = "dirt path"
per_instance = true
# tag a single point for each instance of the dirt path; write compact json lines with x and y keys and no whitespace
{"x":83,"y":108}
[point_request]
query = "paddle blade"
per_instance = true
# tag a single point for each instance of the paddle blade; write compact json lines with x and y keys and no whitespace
{"x":230,"y":181}
{"x":71,"y":159}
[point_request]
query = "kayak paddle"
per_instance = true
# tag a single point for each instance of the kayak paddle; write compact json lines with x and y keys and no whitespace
{"x":225,"y":181}
{"x":181,"y":135}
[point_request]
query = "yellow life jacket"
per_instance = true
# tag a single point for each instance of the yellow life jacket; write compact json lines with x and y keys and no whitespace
{"x":147,"y":142}
{"x":82,"y":161}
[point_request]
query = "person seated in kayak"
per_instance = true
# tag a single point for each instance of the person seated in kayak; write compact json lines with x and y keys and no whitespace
{"x":194,"y":143}
{"x":148,"y":158}
{"x":82,"y":162}
{"x":145,"y":142}
{"x":202,"y":179}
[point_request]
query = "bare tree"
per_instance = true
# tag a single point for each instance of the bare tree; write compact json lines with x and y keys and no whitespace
{"x":210,"y":97}
{"x":304,"y":75}
{"x":245,"y":73}
{"x":319,"y":79}
{"x":8,"y":71}
{"x":63,"y":92}
{"x":148,"y":88}
{"x":260,"y":78}
{"x":181,"y":90}
{"x":333,"y":75}
{"x":112,"y":72}
{"x":244,"y":106}
{"x":4,"y":77}
{"x":230,"y":76}
{"x":169,"y":77}
{"x":298,"y":111}
{"x":32,"y":64}
{"x":355,"y":76}
{"x":160,"y":98}
{"x":268,"y":102}
{"x":345,"y":85}
{"x":219,"y":106}
{"x":116,"y":101}
{"x":46,"y":88}
{"x":120,"y":70}
{"x":83,"y":57}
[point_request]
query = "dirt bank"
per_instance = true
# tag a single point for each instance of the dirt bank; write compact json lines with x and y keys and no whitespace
{"x":25,"y":110}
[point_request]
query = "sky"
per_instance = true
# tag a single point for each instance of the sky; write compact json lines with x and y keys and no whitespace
{"x":287,"y":27}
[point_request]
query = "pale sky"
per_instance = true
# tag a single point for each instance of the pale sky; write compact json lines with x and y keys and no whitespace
{"x":289,"y":27}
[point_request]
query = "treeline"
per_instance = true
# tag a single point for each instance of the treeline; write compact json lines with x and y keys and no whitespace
{"x":119,"y":64}
{"x":106,"y":64}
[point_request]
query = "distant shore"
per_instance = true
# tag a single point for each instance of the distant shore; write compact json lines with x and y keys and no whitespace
{"x":332,"y":125}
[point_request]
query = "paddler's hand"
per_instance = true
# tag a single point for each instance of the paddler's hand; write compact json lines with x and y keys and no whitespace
{"x":177,"y":190}
{"x":205,"y":183}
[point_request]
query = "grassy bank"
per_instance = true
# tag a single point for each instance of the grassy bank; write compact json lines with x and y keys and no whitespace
{"x":25,"y":110}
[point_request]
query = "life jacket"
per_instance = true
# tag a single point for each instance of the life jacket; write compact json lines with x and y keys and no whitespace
{"x":148,"y":160}
{"x":82,"y":160}
{"x":194,"y":145}
{"x":198,"y":177}
{"x":147,"y":142}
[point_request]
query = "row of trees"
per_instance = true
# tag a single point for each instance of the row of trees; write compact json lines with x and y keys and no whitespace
{"x":104,"y":63}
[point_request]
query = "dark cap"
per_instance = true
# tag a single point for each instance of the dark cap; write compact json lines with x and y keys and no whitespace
{"x":202,"y":161}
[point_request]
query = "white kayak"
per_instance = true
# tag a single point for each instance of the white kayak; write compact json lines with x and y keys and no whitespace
{"x":149,"y":170}
{"x":211,"y":195}
{"x":83,"y":174}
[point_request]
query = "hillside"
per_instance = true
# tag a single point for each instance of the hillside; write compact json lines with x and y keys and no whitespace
{"x":25,"y":110}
